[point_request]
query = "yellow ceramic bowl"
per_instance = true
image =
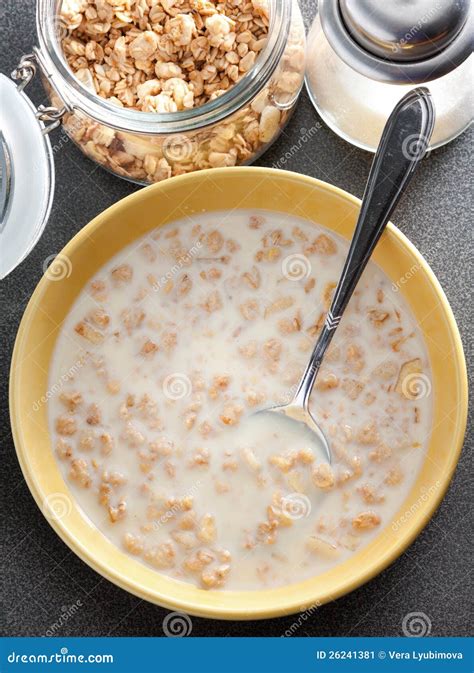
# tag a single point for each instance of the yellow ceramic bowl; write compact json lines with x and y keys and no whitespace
{"x":225,"y":189}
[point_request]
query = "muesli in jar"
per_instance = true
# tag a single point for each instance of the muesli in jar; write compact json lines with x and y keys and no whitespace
{"x":176,"y":57}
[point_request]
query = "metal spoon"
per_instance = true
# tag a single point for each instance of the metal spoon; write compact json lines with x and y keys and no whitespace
{"x":403,"y":144}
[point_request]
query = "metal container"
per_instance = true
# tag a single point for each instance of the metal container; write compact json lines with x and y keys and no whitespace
{"x":364,"y":55}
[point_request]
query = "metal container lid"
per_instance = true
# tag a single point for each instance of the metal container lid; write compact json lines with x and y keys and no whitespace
{"x":401,"y":41}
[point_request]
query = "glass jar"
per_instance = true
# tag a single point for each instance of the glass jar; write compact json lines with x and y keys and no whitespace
{"x":143,"y":147}
{"x":362,"y":58}
{"x":146,"y":147}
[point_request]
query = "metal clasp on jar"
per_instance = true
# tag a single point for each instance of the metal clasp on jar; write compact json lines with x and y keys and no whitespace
{"x":23,"y":74}
{"x":25,"y":71}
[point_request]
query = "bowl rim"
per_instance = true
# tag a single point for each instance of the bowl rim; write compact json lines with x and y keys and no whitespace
{"x":288,"y":605}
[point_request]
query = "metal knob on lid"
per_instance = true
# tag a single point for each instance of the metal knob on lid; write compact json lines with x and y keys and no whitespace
{"x":409,"y":41}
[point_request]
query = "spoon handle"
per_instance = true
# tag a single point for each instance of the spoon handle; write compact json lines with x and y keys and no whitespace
{"x":403,"y":144}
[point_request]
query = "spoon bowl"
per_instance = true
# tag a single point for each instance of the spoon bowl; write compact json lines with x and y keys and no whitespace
{"x":304,"y":423}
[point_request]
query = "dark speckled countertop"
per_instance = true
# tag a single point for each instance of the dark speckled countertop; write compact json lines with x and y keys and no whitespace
{"x":43,"y":579}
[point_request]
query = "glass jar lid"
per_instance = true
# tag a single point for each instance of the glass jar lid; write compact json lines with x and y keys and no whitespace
{"x":27,"y":176}
{"x":399,"y":41}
